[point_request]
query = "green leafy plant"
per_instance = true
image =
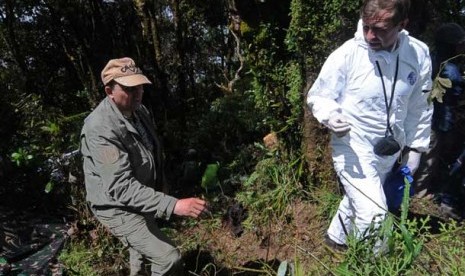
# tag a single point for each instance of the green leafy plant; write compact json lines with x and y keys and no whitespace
{"x":21,"y":157}
{"x":447,"y":249}
{"x":272,"y":187}
{"x":210,"y":177}
{"x":78,"y":260}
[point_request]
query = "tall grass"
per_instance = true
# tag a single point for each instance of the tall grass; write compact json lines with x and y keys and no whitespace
{"x":272,"y":188}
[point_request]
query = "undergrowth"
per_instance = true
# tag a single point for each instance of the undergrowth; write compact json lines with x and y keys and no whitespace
{"x":405,"y":244}
{"x":402,"y":246}
{"x":103,"y":256}
{"x":272,"y":187}
{"x":91,"y":249}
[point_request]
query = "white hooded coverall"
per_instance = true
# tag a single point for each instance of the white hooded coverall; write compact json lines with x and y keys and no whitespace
{"x":350,"y":83}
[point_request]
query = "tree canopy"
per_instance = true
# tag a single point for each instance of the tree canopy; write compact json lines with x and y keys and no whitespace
{"x":225,"y":73}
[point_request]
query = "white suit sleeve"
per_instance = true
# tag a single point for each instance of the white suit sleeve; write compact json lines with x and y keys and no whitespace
{"x":322,"y":98}
{"x":417,"y":124}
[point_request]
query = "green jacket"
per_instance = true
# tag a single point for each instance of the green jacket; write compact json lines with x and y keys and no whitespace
{"x":119,"y":170}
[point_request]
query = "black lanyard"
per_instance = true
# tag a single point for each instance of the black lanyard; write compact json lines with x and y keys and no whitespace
{"x":388,"y":106}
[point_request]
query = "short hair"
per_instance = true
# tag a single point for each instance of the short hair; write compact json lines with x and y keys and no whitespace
{"x":111,"y":84}
{"x":450,"y":33}
{"x":446,"y":39}
{"x":399,"y":7}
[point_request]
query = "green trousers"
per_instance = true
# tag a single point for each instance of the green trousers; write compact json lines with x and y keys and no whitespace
{"x":146,"y":243}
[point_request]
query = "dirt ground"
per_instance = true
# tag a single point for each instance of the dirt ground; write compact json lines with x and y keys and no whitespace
{"x":261,"y":248}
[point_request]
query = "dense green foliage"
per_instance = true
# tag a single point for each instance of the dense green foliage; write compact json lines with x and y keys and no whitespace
{"x":53,"y":51}
{"x":225,"y":74}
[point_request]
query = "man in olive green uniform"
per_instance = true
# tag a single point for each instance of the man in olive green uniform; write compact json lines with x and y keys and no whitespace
{"x":122,"y":167}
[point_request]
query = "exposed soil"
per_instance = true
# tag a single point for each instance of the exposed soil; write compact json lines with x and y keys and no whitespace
{"x":261,"y":248}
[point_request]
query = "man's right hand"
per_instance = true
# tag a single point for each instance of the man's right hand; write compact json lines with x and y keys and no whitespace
{"x":190,"y":207}
{"x":338,"y":124}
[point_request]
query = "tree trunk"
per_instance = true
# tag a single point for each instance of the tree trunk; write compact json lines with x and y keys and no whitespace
{"x":12,"y":41}
{"x":180,"y":51}
{"x":316,"y":150}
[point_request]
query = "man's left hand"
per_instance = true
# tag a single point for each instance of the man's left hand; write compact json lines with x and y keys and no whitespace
{"x":190,"y":207}
{"x":412,"y":160}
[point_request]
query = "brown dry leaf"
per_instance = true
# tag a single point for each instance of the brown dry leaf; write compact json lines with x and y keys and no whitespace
{"x":439,"y":89}
{"x":93,"y":234}
{"x":271,"y":140}
{"x":444,"y":82}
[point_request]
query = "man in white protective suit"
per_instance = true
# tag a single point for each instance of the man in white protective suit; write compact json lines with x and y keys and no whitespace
{"x":372,"y":94}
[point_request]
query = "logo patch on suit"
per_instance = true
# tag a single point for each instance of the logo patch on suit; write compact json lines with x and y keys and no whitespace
{"x":412,"y":78}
